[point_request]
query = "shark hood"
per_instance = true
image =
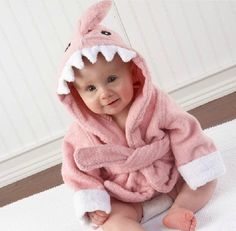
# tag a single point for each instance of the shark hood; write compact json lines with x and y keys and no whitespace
{"x":89,"y":39}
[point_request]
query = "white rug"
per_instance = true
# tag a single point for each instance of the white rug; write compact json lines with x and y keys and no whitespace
{"x":52,"y":210}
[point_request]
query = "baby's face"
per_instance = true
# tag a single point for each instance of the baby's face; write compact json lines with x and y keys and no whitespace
{"x":105,"y":87}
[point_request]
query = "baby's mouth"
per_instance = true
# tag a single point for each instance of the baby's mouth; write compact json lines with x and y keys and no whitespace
{"x":112,"y":102}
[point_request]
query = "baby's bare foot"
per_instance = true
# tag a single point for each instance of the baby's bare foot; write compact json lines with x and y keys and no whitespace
{"x":180,"y":218}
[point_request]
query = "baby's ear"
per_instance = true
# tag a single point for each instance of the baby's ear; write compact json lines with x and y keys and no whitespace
{"x":94,"y":15}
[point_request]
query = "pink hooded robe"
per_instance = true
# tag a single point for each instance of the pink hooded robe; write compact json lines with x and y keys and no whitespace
{"x":161,"y":141}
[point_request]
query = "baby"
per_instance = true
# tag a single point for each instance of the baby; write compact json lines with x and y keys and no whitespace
{"x":132,"y":152}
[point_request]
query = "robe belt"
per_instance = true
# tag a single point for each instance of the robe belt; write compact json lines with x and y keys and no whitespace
{"x":121,"y":159}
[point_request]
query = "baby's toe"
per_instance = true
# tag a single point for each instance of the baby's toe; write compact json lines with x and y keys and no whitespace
{"x":193,"y":224}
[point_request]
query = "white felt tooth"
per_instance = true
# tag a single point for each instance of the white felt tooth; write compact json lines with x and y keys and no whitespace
{"x":91,"y":53}
{"x":126,"y":55}
{"x":108,"y":52}
{"x":76,"y":60}
{"x":68,"y":74}
{"x":62,"y":88}
{"x":95,"y":50}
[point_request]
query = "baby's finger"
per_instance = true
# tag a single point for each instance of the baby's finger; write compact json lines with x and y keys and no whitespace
{"x":97,"y":218}
{"x":97,"y":223}
{"x":101,"y":213}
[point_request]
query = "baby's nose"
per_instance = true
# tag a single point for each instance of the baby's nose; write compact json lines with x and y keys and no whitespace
{"x":106,"y":94}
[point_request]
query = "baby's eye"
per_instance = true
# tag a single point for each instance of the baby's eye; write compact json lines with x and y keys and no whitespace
{"x":90,"y":88}
{"x":111,"y":78}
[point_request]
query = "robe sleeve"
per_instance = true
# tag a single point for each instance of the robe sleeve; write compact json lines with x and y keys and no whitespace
{"x":90,"y":194}
{"x":196,"y":156}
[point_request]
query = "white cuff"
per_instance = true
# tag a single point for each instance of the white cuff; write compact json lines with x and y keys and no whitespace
{"x":202,"y":170}
{"x":90,"y":200}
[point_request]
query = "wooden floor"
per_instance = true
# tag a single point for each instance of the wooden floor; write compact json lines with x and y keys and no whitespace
{"x":213,"y":113}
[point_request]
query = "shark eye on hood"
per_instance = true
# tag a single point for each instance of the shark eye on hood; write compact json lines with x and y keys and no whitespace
{"x":67,"y":47}
{"x":106,"y":32}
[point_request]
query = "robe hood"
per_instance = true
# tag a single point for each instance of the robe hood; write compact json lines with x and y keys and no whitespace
{"x":89,"y":39}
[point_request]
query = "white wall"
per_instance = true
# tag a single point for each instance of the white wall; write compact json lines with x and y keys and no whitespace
{"x":189,"y":46}
{"x":183,"y":41}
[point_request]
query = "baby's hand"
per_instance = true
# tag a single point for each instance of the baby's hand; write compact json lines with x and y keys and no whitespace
{"x":98,"y":217}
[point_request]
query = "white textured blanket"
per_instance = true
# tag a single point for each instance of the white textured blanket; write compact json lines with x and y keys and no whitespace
{"x":53,"y":209}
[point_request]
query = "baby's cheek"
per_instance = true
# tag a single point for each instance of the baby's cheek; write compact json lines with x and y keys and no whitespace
{"x":95,"y":107}
{"x":129,"y":94}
